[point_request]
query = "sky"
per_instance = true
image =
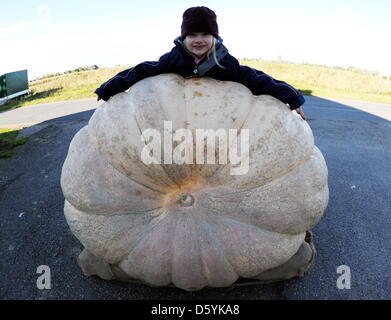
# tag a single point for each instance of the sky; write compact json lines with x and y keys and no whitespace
{"x":49,"y":36}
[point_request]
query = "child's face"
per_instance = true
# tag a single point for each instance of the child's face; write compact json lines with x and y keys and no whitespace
{"x":198,"y":43}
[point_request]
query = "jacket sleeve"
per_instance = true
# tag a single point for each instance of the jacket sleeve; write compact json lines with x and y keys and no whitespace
{"x":261,"y":83}
{"x":125,"y":79}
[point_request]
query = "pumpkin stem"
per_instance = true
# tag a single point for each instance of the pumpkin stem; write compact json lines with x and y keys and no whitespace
{"x":186,"y":199}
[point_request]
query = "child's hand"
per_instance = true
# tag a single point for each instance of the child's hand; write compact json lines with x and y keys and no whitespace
{"x":98,"y":98}
{"x":301,"y":113}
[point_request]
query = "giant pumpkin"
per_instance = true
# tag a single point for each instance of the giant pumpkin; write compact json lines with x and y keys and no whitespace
{"x":193,"y":225}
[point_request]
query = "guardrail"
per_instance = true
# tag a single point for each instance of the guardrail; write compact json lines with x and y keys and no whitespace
{"x":12,"y":96}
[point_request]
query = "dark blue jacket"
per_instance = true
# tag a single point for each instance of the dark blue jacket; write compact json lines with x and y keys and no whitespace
{"x":179,"y":61}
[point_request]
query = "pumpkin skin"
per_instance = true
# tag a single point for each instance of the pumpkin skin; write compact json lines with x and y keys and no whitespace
{"x":130,"y":215}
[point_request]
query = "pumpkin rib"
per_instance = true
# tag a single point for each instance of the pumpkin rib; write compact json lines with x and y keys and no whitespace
{"x":114,"y":196}
{"x":186,"y":114}
{"x":313,"y":205}
{"x":91,"y":155}
{"x":182,"y":86}
{"x":103,"y":113}
{"x":270,"y":228}
{"x":275,"y":142}
{"x":218,"y":247}
{"x":228,"y":221}
{"x":144,"y":252}
{"x":315,"y":152}
{"x":110,"y":214}
{"x":154,"y":223}
{"x":199,"y":248}
{"x":129,"y":177}
{"x":172,"y":253}
{"x":163,"y":168}
{"x":93,"y":233}
{"x":162,"y":192}
{"x":250,"y":224}
{"x":179,"y":258}
{"x":201,"y":259}
{"x":240,"y":221}
{"x":224,"y":88}
{"x":251,"y":109}
{"x":154,"y":86}
{"x":280,"y":175}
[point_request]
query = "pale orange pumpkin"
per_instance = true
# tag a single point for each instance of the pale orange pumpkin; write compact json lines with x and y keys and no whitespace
{"x":192,"y":225}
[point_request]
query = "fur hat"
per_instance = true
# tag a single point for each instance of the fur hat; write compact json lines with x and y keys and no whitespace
{"x":199,"y":19}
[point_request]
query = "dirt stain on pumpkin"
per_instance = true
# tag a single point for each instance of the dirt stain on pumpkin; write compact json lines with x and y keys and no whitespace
{"x":198,"y":94}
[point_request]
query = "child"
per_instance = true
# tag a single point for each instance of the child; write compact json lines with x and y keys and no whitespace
{"x":199,"y":52}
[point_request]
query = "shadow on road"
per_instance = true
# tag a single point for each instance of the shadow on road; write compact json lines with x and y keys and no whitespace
{"x":353,"y":232}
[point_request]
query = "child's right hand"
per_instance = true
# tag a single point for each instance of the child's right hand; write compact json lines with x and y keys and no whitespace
{"x":98,"y":98}
{"x":301,"y":113}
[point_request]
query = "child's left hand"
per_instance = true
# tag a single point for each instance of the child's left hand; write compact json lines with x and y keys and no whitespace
{"x":301,"y":113}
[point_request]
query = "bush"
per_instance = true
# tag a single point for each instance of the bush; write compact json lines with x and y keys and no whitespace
{"x":79,"y":69}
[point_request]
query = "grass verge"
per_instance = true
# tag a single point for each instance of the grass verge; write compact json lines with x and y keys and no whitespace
{"x":328,"y":82}
{"x":8,"y":141}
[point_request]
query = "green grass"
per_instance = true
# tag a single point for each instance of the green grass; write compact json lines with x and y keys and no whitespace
{"x":328,"y":81}
{"x":76,"y":85}
{"x":8,"y":141}
{"x":309,"y":79}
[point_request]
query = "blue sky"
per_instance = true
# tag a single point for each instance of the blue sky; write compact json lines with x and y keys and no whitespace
{"x":55,"y":36}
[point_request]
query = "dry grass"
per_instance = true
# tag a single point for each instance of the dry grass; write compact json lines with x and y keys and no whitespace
{"x":328,"y":81}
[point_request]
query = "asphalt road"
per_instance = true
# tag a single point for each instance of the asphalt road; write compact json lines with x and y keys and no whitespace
{"x":354,"y":232}
{"x":37,"y":114}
